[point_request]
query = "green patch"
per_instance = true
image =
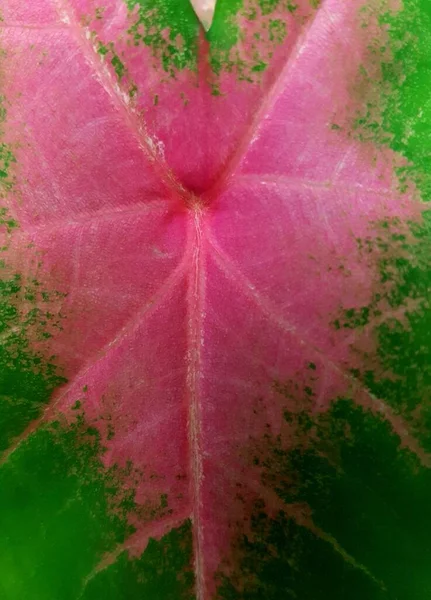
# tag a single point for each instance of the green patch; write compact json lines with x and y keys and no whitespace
{"x":244,"y":35}
{"x":27,"y":378}
{"x":368,"y":529}
{"x":99,"y":12}
{"x":118,"y":66}
{"x":61,"y":511}
{"x":393,"y":84}
{"x":268,"y":6}
{"x":108,"y":50}
{"x":6,"y":159}
{"x":102,"y":49}
{"x":258,"y":67}
{"x":169,"y":28}
{"x":277,"y":31}
{"x":163,"y":572}
{"x":398,"y":370}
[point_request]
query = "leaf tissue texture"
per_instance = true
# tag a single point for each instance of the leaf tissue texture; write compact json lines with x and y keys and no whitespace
{"x":215,"y":330}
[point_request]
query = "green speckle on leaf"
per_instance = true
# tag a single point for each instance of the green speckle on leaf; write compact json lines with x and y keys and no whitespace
{"x":133,"y":90}
{"x":268,"y":6}
{"x":277,"y":31}
{"x":116,"y":62}
{"x":261,"y":66}
{"x":118,"y":66}
{"x":102,"y":49}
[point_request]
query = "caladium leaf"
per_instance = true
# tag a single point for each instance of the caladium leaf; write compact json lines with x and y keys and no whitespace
{"x":214,"y":300}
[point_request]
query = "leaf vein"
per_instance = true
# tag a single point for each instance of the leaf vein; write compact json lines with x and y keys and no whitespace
{"x":398,"y":425}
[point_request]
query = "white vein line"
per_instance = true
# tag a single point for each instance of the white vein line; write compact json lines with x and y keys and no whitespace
{"x":95,"y":217}
{"x":301,"y":514}
{"x":153,"y":530}
{"x":196,"y":300}
{"x":52,"y":27}
{"x":266,"y":105}
{"x":233,"y":274}
{"x":327,"y":186}
{"x":168,"y":286}
{"x":120,"y":99}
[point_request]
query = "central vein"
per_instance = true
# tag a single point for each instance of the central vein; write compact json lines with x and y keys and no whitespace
{"x":196,"y":299}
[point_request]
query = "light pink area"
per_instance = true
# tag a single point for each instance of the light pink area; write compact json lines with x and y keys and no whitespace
{"x":28,"y":13}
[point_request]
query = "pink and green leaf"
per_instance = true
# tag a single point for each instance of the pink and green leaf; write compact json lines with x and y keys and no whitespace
{"x":215,"y":338}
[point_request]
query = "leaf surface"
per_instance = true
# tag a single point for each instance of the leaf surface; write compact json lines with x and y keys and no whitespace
{"x":214,"y":300}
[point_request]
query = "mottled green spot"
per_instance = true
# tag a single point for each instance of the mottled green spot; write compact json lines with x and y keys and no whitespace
{"x":102,"y":49}
{"x":277,"y":31}
{"x":268,"y":6}
{"x":116,"y":62}
{"x":133,"y":90}
{"x":247,"y":51}
{"x":99,"y":12}
{"x":119,"y":67}
{"x":261,"y":66}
